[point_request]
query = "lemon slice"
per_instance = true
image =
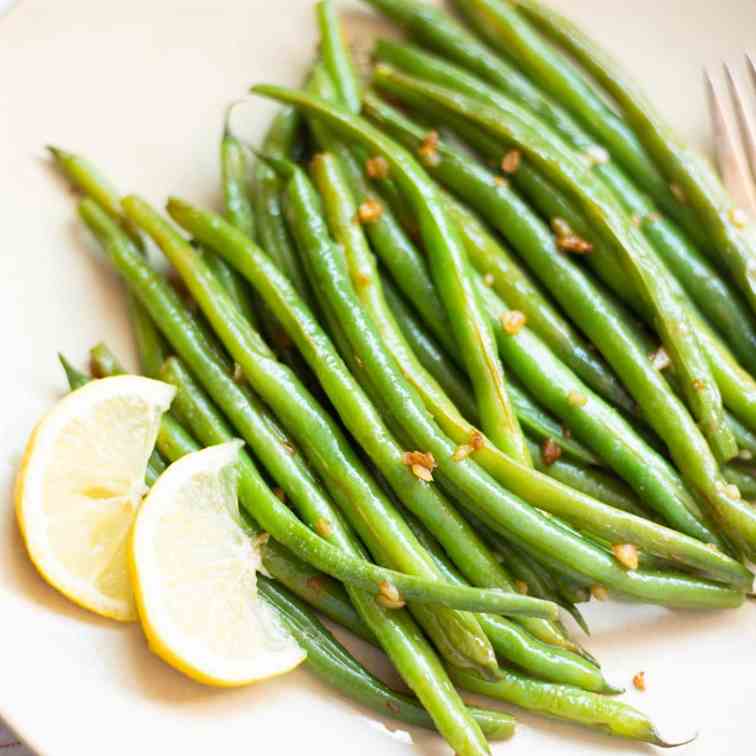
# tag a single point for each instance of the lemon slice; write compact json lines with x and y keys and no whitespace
{"x":193,"y":568}
{"x":80,"y":484}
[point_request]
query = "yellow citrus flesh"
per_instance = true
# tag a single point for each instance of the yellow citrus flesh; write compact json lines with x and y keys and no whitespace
{"x":193,"y":568}
{"x":80,"y":484}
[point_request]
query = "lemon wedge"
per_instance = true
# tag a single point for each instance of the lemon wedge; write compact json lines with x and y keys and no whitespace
{"x":80,"y":484}
{"x":193,"y":567}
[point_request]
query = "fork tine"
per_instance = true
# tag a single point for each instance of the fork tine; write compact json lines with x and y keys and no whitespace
{"x":747,"y":128}
{"x":730,"y":160}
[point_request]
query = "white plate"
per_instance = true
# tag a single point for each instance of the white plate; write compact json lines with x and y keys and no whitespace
{"x":140,"y":87}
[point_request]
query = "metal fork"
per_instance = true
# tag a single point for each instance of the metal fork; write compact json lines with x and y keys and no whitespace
{"x":734,"y":141}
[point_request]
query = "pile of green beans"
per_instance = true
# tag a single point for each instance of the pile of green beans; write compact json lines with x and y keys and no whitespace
{"x":482,"y":372}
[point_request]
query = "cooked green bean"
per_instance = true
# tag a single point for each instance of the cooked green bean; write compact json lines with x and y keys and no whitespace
{"x":192,"y":407}
{"x":340,"y":210}
{"x":597,"y":484}
{"x":512,"y":283}
{"x":75,"y":377}
{"x":737,"y":386}
{"x":512,"y":216}
{"x":539,"y":581}
{"x":214,"y":232}
{"x":732,"y":242}
{"x":744,"y":477}
{"x":335,"y":57}
{"x":150,"y":345}
{"x":272,"y":233}
{"x":235,"y":181}
{"x":236,"y":286}
{"x":85,"y":177}
{"x":604,"y":714}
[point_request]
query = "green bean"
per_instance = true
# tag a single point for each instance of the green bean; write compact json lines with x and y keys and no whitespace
{"x":272,"y":233}
{"x":597,"y":484}
{"x":385,"y":533}
{"x":514,"y":644}
{"x":542,"y":428}
{"x":235,"y":181}
{"x":718,"y":300}
{"x":646,"y":273}
{"x":256,"y":268}
{"x":525,"y":296}
{"x":236,"y":286}
{"x":150,"y":345}
{"x":330,"y":662}
{"x":333,"y":276}
{"x":431,"y":357}
{"x":452,"y":533}
{"x":601,"y":713}
{"x":192,"y":408}
{"x":536,"y":423}
{"x":694,"y":184}
{"x":211,"y":427}
{"x":603,"y":490}
{"x":504,"y":544}
{"x":336,"y":58}
{"x":103,"y":363}
{"x":745,"y":437}
{"x":85,"y":177}
{"x":394,"y":629}
{"x":539,"y":581}
{"x":168,"y":312}
{"x":737,"y":386}
{"x":75,"y":377}
{"x":340,"y":210}
{"x":608,"y":325}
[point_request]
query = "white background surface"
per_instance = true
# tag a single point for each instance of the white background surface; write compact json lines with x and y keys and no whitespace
{"x":140,"y":87}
